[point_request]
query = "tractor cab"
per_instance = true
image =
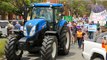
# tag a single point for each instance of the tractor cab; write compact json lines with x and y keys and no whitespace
{"x":47,"y":11}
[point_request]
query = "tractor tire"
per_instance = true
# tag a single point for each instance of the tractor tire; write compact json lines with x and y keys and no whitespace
{"x":65,"y":41}
{"x":98,"y":58}
{"x":11,"y":50}
{"x":49,"y":48}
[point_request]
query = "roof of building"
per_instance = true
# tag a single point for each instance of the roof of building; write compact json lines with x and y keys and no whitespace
{"x":47,"y":5}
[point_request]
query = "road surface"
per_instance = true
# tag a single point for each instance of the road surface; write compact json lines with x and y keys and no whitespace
{"x":75,"y":54}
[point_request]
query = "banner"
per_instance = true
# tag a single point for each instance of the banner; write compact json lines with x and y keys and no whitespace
{"x":101,"y":17}
{"x":92,"y":28}
{"x":68,"y":18}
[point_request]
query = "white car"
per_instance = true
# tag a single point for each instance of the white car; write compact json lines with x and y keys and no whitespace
{"x":93,"y":49}
{"x":3,"y":27}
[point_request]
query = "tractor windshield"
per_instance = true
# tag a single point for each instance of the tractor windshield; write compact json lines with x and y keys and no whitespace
{"x":43,"y":12}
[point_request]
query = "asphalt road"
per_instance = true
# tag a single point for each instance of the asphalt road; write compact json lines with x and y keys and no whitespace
{"x":75,"y":54}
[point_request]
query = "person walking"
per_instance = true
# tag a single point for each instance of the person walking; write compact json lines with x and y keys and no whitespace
{"x":91,"y":33}
{"x":17,"y":26}
{"x":104,"y":45}
{"x":70,"y":26}
{"x":79,"y":35}
{"x":74,"y":30}
{"x":105,"y":24}
{"x":75,"y":19}
{"x":98,"y":26}
{"x":9,"y":28}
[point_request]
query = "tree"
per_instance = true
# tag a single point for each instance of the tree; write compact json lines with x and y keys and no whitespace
{"x":5,"y":8}
{"x":23,"y":7}
{"x":79,"y":7}
{"x":18,"y":7}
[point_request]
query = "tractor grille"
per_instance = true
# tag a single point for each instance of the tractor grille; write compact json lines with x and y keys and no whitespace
{"x":29,"y":27}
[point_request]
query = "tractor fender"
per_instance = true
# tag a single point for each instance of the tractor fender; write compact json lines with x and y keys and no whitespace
{"x":61,"y":24}
{"x":51,"y":33}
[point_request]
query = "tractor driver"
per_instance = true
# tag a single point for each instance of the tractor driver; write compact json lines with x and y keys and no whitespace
{"x":42,"y":14}
{"x":46,"y":13}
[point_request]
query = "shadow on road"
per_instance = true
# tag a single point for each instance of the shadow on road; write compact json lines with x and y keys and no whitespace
{"x":31,"y":57}
{"x":25,"y":58}
{"x":37,"y":56}
{"x":66,"y":56}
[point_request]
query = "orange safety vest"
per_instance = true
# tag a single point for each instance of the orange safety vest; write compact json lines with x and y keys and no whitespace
{"x":104,"y":45}
{"x":79,"y":34}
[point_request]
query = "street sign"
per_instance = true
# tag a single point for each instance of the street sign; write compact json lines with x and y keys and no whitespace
{"x":68,"y":18}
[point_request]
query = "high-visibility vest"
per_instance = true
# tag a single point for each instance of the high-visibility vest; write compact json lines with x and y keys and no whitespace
{"x":104,"y":45}
{"x":79,"y":34}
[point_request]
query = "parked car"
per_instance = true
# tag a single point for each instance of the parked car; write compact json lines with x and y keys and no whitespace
{"x":93,"y":49}
{"x":3,"y":27}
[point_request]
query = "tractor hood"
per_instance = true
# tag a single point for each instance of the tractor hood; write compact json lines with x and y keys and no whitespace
{"x":33,"y":26}
{"x":34,"y":22}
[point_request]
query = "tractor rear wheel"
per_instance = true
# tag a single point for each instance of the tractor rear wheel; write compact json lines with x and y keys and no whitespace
{"x":49,"y":48}
{"x":11,"y":50}
{"x":64,"y":41}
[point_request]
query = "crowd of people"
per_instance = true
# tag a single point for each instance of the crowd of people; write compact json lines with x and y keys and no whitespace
{"x":14,"y":25}
{"x":79,"y":29}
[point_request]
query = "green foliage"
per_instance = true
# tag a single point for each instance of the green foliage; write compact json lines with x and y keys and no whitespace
{"x":2,"y":46}
{"x":6,"y":7}
{"x":104,"y":3}
{"x":79,"y":7}
{"x":14,"y":6}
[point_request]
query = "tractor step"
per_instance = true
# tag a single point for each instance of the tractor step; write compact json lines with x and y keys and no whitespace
{"x":23,"y":40}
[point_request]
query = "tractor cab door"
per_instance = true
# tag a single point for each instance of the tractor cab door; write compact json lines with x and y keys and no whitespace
{"x":56,"y":16}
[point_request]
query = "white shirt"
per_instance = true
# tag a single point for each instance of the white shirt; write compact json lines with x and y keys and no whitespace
{"x":21,"y":28}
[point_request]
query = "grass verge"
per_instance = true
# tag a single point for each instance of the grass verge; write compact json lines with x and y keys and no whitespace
{"x":2,"y":46}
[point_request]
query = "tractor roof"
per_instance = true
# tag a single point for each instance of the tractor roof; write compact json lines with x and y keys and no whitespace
{"x":47,"y":5}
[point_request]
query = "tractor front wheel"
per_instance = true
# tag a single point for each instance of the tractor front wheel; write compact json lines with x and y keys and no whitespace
{"x":49,"y":48}
{"x":11,"y":50}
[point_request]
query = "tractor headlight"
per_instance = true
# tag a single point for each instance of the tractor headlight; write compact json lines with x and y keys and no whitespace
{"x":25,"y":31}
{"x":32,"y":32}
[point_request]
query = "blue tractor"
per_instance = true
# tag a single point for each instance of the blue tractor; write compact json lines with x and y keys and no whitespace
{"x":44,"y":33}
